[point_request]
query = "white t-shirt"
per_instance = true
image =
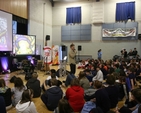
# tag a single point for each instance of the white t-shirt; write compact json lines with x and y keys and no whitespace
{"x":49,"y":77}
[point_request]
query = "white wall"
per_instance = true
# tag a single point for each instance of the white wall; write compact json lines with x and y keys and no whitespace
{"x":109,"y":48}
{"x":40,"y":25}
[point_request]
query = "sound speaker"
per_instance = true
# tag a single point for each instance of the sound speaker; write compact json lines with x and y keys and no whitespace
{"x":139,"y":36}
{"x":47,"y":37}
{"x":97,"y":0}
{"x":79,"y":48}
{"x":63,"y":48}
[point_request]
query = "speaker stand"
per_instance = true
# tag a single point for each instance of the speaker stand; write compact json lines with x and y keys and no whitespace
{"x":78,"y":56}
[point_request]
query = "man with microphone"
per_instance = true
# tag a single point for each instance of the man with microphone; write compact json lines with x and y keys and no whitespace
{"x":72,"y":59}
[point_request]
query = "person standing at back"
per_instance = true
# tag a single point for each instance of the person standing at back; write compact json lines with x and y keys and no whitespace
{"x":99,"y":54}
{"x":72,"y":60}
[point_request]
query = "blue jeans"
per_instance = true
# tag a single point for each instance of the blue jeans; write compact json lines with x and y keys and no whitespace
{"x":69,"y":79}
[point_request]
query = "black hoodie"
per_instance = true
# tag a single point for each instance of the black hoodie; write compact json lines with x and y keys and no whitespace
{"x":51,"y":97}
{"x":34,"y":84}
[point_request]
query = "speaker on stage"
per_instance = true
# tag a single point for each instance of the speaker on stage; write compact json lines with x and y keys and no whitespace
{"x":79,"y":48}
{"x":63,"y":48}
{"x":47,"y":37}
{"x":139,"y":36}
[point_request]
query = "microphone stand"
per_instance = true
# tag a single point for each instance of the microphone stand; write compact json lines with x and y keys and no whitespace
{"x":46,"y":59}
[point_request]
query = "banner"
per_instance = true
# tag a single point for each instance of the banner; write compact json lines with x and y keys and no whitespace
{"x":55,"y":55}
{"x":119,"y":32}
{"x":47,"y":54}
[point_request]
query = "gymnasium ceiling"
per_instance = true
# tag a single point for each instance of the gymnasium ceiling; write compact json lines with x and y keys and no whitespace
{"x":55,"y":1}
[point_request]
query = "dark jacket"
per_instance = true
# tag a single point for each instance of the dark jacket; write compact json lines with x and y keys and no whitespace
{"x":2,"y":105}
{"x":7,"y":96}
{"x":51,"y":97}
{"x":102,"y":100}
{"x":113,"y":92}
{"x":34,"y":84}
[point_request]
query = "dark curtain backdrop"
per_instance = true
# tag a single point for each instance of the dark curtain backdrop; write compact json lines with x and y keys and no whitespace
{"x":125,"y":11}
{"x":73,"y":15}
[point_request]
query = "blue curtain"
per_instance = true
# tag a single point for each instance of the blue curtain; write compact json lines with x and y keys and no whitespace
{"x":125,"y":11}
{"x":73,"y":15}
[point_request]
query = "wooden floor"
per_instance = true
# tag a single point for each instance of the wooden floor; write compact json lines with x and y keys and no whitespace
{"x":41,"y":108}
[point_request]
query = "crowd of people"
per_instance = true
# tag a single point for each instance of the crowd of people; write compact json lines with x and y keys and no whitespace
{"x":129,"y":55}
{"x":96,"y":89}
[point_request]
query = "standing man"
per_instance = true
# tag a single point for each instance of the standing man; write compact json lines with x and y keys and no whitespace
{"x":135,"y":52}
{"x":72,"y":60}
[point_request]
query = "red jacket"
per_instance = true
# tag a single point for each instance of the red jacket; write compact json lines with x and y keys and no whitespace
{"x":75,"y":96}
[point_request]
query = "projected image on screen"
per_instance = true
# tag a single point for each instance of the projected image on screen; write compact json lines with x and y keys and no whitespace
{"x":5,"y":31}
{"x":24,"y":44}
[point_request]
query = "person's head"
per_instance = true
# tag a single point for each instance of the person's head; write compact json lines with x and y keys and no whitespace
{"x":130,"y":70}
{"x":26,"y":96}
{"x":53,"y":82}
{"x":93,"y":67}
{"x":35,"y":75}
{"x":75,"y":82}
{"x":125,"y":66}
{"x":87,"y":71}
{"x":137,"y":66}
{"x":99,"y":50}
{"x":116,"y":66}
{"x":136,"y":95}
{"x":18,"y":83}
{"x":122,"y":73}
{"x":134,"y":49}
{"x":72,"y":46}
{"x":123,"y":62}
{"x":81,"y":75}
{"x":2,"y":83}
{"x":52,"y":71}
{"x":64,"y":106}
{"x":53,"y":75}
{"x":122,"y":79}
{"x":97,"y":68}
{"x":110,"y":80}
{"x":97,"y":84}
